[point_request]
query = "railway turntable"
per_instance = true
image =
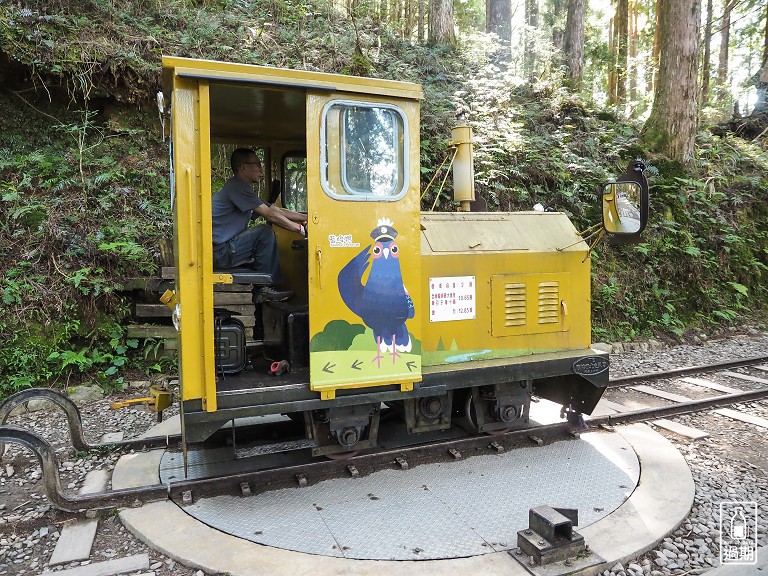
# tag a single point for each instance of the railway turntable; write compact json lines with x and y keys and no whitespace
{"x":630,"y":486}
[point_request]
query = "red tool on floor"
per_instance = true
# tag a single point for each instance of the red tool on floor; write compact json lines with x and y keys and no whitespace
{"x":278,"y":368}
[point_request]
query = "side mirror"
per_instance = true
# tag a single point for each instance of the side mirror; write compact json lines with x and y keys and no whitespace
{"x":625,"y":205}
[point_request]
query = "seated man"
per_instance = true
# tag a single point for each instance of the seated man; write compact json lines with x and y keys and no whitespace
{"x":234,"y":243}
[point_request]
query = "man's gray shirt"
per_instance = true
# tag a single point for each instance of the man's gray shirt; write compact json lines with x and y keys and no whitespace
{"x":231,"y":209}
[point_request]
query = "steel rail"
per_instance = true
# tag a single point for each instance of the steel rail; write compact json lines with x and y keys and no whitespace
{"x":186,"y":491}
{"x":678,"y":408}
{"x":685,"y":371}
{"x":241,"y":483}
{"x":249,"y":482}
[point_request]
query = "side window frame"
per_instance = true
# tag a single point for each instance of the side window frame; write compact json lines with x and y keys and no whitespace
{"x":349,"y":194}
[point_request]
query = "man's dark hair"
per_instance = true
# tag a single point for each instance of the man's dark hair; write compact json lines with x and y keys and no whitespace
{"x":240,"y":157}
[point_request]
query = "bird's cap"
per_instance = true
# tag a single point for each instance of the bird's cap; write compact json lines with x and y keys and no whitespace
{"x":384,"y":230}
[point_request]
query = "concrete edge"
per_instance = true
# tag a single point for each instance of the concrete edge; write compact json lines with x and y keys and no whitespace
{"x":166,"y":528}
{"x":657,"y":506}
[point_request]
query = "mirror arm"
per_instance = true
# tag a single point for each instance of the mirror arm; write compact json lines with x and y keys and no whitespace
{"x":600,"y":234}
{"x":596,"y":229}
{"x":591,"y":230}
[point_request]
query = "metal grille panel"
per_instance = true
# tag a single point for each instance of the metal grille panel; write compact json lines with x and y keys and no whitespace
{"x":549,"y":302}
{"x":515,"y":304}
{"x":529,"y":303}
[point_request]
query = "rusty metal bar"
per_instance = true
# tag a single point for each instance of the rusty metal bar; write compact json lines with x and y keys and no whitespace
{"x":364,"y":464}
{"x":315,"y":471}
{"x":52,"y":481}
{"x":74,"y":421}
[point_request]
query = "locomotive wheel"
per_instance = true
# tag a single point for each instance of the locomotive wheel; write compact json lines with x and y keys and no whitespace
{"x":342,"y":455}
{"x":469,"y":411}
{"x":471,"y":414}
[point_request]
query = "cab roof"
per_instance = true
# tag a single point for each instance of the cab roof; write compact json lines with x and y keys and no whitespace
{"x":265,"y":75}
{"x":249,"y":101}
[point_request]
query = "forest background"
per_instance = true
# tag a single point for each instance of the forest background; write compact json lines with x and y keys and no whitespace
{"x":562,"y":95}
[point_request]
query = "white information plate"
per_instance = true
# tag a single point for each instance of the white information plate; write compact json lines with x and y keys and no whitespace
{"x":452,"y":298}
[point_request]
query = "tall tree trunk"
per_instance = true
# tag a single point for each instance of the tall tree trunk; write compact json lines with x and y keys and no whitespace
{"x":705,"y":65}
{"x":498,"y":20}
{"x":618,"y":74}
{"x":408,"y":21}
{"x":725,"y":40}
{"x":395,"y":16}
{"x":612,"y":51}
{"x":422,"y":10}
{"x":441,"y":22}
{"x":574,"y":41}
{"x":558,"y":34}
{"x":632,"y":68}
{"x":761,"y":105}
{"x":656,"y":46}
{"x":671,"y":127}
{"x":531,"y":25}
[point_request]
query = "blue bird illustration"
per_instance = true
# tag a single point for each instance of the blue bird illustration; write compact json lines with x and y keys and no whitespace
{"x":383,"y":302}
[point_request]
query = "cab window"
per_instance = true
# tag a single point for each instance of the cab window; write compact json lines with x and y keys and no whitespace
{"x":363,"y":151}
{"x":295,"y":182}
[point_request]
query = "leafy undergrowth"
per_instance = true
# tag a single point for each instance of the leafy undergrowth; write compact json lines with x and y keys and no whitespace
{"x":704,"y":259}
{"x":85,"y":195}
{"x":84,"y":205}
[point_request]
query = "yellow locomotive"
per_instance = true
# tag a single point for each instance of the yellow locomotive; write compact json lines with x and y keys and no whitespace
{"x":432,"y":315}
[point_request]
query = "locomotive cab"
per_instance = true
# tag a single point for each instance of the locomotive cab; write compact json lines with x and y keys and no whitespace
{"x":345,"y":151}
{"x":434,"y":318}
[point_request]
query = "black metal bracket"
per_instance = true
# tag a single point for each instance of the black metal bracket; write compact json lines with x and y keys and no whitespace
{"x":550,"y":546}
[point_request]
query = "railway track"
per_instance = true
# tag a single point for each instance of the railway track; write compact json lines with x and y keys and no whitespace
{"x":687,"y":371}
{"x":754,"y":388}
